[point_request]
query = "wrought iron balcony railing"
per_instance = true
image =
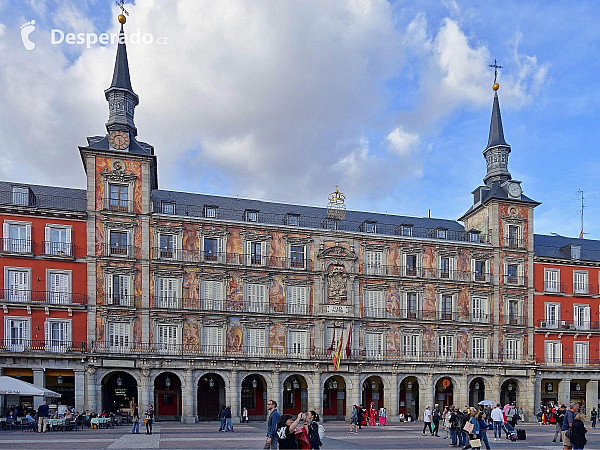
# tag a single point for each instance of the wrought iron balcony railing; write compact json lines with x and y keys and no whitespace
{"x":120,"y":300}
{"x":584,"y":289}
{"x":117,"y":204}
{"x":514,"y":280}
{"x":118,"y":250}
{"x":25,"y":246}
{"x":43,"y":297}
{"x":457,"y":316}
{"x":568,"y":325}
{"x":40,"y":345}
{"x":557,"y":287}
{"x":559,"y":361}
{"x":209,"y":304}
{"x":60,"y":249}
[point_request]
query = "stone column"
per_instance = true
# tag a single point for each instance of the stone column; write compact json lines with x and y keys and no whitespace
{"x":39,"y":379}
{"x":145,"y":391}
{"x":462,"y":394}
{"x":392,"y":400}
{"x":537,"y":396}
{"x":426,"y":395}
{"x":187,"y":400}
{"x":275,"y":392}
{"x":591,"y":397}
{"x":79,"y":390}
{"x":353,"y":395}
{"x":234,"y":396}
{"x":91,"y":384}
{"x":2,"y":406}
{"x":564,"y":392}
{"x":495,"y":395}
{"x":315,"y":393}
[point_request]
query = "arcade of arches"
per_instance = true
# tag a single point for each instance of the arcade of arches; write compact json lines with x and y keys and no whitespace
{"x":192,"y":395}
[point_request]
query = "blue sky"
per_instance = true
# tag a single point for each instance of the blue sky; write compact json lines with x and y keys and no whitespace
{"x":285,"y":100}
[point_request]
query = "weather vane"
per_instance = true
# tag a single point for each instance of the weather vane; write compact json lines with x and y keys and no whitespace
{"x":122,"y":18}
{"x":496,"y":67}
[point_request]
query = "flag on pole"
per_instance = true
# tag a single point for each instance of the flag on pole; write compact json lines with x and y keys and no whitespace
{"x":330,"y":349}
{"x":337,"y":355}
{"x":581,"y":234}
{"x":349,"y":341}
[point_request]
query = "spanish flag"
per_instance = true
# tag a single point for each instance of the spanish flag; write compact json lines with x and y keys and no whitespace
{"x":581,"y":234}
{"x":337,"y":355}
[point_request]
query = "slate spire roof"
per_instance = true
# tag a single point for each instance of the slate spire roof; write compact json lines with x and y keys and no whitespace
{"x":121,"y":73}
{"x":496,"y":132}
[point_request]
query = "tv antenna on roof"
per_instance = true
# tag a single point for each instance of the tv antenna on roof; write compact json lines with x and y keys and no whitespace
{"x":581,"y":198}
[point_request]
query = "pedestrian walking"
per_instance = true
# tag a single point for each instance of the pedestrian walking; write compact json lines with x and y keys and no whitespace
{"x":222,"y":417}
{"x":427,"y":420}
{"x":354,"y":419}
{"x":568,"y":424}
{"x":361,"y":413}
{"x":135,"y":428}
{"x":228,"y":421}
{"x":43,"y":413}
{"x":473,"y":430}
{"x":446,"y":421}
{"x":560,"y":417}
{"x":497,"y":421}
{"x":594,"y":416}
{"x":578,"y":431}
{"x":483,"y":427}
{"x":149,"y":419}
{"x":436,"y":416}
{"x":454,"y":426}
{"x":274,"y":415}
{"x":245,"y":415}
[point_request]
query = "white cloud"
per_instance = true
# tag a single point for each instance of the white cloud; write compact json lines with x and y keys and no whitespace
{"x":402,"y":142}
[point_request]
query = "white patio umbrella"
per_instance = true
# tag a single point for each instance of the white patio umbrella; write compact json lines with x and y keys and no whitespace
{"x":486,"y":403}
{"x":13,"y":386}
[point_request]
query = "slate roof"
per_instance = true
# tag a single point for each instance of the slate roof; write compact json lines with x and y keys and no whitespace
{"x":135,"y":146}
{"x":496,"y":136}
{"x":551,"y":246}
{"x":495,"y":191}
{"x":66,"y":199}
{"x":232,"y":208}
{"x":121,"y":73}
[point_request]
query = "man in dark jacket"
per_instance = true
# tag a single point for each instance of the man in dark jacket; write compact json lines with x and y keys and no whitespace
{"x":360,"y":416}
{"x":436,"y":419}
{"x":454,"y":427}
{"x":559,"y":415}
{"x":229,"y":423}
{"x":43,"y":412}
{"x":274,"y":415}
{"x":222,"y":417}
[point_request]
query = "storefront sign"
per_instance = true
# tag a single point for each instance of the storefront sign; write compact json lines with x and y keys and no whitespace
{"x":120,"y":391}
{"x":337,"y":309}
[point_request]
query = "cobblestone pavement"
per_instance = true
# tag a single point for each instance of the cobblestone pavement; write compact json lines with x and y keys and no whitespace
{"x":252,"y":436}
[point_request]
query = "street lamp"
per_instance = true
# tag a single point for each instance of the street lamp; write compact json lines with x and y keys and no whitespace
{"x":577,"y":387}
{"x":509,"y":387}
{"x":296,"y":384}
{"x":334,"y":384}
{"x":211,"y":383}
{"x":167,"y":382}
{"x":119,"y":381}
{"x":476,"y":386}
{"x":409,"y":385}
{"x":254,"y":383}
{"x":373,"y":385}
{"x":59,"y":379}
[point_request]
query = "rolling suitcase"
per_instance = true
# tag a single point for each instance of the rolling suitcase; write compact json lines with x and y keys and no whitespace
{"x":521,"y":434}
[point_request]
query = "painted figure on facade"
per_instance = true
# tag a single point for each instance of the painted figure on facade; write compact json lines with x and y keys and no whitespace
{"x":337,"y":289}
{"x":277,"y":294}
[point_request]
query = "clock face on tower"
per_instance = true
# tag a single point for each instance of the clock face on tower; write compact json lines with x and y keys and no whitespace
{"x":514,"y":190}
{"x":118,"y":140}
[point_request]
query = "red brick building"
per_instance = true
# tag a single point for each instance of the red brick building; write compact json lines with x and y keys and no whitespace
{"x":43,"y":317}
{"x":566,"y":313}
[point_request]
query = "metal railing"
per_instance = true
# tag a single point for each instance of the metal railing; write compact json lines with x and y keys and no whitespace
{"x":64,"y":249}
{"x":560,"y":361}
{"x":118,"y":251}
{"x":584,"y":289}
{"x":120,"y":300}
{"x":47,"y":297}
{"x":554,"y":287}
{"x":117,"y":204}
{"x":416,"y":314}
{"x":17,"y":245}
{"x":569,"y":324}
{"x":41,"y":345}
{"x":208,"y":304}
{"x":411,"y":271}
{"x":516,"y":280}
{"x":513,"y":242}
{"x":515,"y":320}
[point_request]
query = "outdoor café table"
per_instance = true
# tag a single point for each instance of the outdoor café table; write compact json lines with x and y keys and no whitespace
{"x":99,"y":421}
{"x":52,"y":423}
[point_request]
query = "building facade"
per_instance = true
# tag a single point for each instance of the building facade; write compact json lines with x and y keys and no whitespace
{"x":567,"y":333}
{"x":43,"y":289}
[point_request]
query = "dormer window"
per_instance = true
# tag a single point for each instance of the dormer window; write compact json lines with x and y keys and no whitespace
{"x":441,"y":233}
{"x":405,"y":229}
{"x":20,"y":195}
{"x":331,"y":224}
{"x":293,"y":220}
{"x":369,"y":226}
{"x":474,"y":236}
{"x":575,"y":251}
{"x":210,"y":211}
{"x":167,"y":208}
{"x":251,"y":215}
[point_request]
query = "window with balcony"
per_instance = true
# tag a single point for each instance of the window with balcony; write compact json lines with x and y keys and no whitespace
{"x":552,"y":318}
{"x":374,"y":344}
{"x":256,"y":300}
{"x":412,"y":305}
{"x":580,"y":353}
{"x":167,"y":293}
{"x":17,"y":333}
{"x":168,"y":246}
{"x":374,"y":303}
{"x":212,"y":299}
{"x":213,"y":249}
{"x":16,"y":237}
{"x":58,"y":335}
{"x":256,"y":253}
{"x":20,"y":195}
{"x":478,"y":348}
{"x":18,"y":285}
{"x":373,"y":262}
{"x":582,"y":317}
{"x":119,"y":336}
{"x":168,"y":338}
{"x":514,"y":236}
{"x":479,"y":309}
{"x":512,"y":274}
{"x":551,"y":280}
{"x":251,"y":215}
{"x":297,"y":343}
{"x":412,"y":265}
{"x":297,"y":300}
{"x":513,"y":350}
{"x":410,"y":345}
{"x":580,"y":282}
{"x":210,"y":211}
{"x":168,"y":208}
{"x":514,"y":312}
{"x":118,"y":197}
{"x":57,"y":240}
{"x":119,"y":243}
{"x":553,"y":353}
{"x":297,"y":256}
{"x":446,"y":307}
{"x":59,"y":287}
{"x":445,"y":347}
{"x":480,"y":270}
{"x":257,"y":341}
{"x":212,"y":340}
{"x":118,"y":290}
{"x":445,"y":267}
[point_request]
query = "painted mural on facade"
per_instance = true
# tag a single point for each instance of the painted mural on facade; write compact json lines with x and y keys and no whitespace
{"x":235,"y":337}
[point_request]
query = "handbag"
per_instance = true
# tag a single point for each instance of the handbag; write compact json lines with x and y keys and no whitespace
{"x":475,"y":442}
{"x":145,"y":421}
{"x":569,"y":433}
{"x":469,"y":427}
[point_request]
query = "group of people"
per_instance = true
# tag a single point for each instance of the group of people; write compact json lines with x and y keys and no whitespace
{"x":367,"y":417}
{"x":226,"y":422}
{"x":135,"y":418}
{"x":287,"y":431}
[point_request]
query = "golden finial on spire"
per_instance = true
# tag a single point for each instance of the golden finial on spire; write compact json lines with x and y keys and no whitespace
{"x":122,"y":19}
{"x":336,"y":209}
{"x":496,"y":86}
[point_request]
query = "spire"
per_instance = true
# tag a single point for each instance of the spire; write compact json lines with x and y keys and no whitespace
{"x":120,"y":96}
{"x":496,"y":132}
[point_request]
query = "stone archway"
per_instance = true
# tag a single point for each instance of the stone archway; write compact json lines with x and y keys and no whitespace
{"x":477,"y":391}
{"x":334,"y":398}
{"x":444,"y":392}
{"x":372,"y":392}
{"x":211,"y":396}
{"x":254,"y":397}
{"x":167,"y":397}
{"x":295,"y":394}
{"x":119,"y":391}
{"x":408,"y":393}
{"x":509,"y":392}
